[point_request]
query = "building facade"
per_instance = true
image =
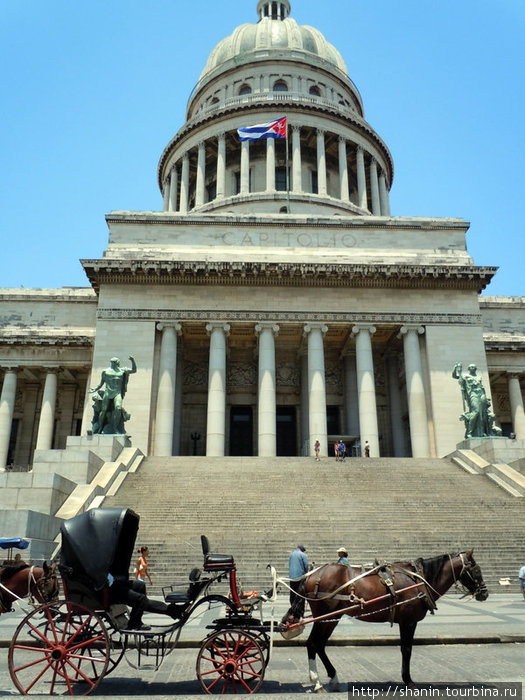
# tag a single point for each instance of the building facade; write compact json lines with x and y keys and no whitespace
{"x":273,"y":299}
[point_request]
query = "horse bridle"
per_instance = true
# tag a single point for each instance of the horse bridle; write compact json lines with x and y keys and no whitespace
{"x":472,"y":570}
{"x":40,"y":585}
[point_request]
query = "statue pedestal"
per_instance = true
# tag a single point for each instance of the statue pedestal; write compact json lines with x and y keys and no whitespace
{"x":496,"y":450}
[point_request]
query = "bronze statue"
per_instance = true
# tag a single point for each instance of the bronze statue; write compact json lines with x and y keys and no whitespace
{"x":108,"y":414}
{"x":479,"y":420}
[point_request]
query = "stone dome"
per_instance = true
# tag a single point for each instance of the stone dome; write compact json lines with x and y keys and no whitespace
{"x":274,"y":32}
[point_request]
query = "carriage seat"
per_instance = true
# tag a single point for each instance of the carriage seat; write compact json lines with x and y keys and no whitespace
{"x":219,"y":562}
{"x":190,"y":594}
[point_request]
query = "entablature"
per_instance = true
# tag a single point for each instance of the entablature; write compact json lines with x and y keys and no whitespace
{"x":170,"y":272}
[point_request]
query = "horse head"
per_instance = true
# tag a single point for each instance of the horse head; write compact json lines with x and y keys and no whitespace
{"x":46,"y":588}
{"x":471,"y":578}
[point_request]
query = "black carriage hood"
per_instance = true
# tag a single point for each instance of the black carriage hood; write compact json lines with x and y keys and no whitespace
{"x":97,"y":542}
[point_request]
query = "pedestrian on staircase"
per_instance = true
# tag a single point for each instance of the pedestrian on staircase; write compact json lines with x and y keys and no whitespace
{"x":367,"y":449}
{"x":522,"y":580}
{"x":317,"y":449}
{"x":142,"y":567}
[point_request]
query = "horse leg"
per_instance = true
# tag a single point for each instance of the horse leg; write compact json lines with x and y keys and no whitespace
{"x":316,"y":645}
{"x":406,"y":633}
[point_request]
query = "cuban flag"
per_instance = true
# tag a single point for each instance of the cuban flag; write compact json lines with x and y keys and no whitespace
{"x":270,"y":130}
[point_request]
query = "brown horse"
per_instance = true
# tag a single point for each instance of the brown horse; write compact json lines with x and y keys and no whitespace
{"x":401,"y":592}
{"x":36,"y":583}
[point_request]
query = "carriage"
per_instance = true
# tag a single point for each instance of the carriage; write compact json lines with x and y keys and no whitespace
{"x":68,"y":646}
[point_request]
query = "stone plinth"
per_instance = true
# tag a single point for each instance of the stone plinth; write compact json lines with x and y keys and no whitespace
{"x":499,"y":450}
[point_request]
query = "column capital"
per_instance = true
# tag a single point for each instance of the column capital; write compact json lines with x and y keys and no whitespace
{"x":363,"y":327}
{"x":411,"y":327}
{"x":176,"y":327}
{"x":321,"y":132}
{"x":513,"y":374}
{"x":260,"y":327}
{"x":315,"y":326}
{"x":217,"y":325}
{"x":341,"y":139}
{"x":295,"y":128}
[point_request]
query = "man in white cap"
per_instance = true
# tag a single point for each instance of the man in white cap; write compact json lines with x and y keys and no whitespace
{"x":343,"y":556}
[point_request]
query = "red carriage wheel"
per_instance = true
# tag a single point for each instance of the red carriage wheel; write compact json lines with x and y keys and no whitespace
{"x":230,"y":661}
{"x":59,"y":649}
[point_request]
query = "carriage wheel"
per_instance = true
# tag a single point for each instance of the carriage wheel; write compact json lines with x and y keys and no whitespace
{"x":59,"y":649}
{"x":230,"y":661}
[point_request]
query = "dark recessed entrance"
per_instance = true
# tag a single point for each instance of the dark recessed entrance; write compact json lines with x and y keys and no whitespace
{"x":286,"y":431}
{"x":241,"y":431}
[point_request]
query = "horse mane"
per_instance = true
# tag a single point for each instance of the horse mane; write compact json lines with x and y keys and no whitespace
{"x":432,"y":567}
{"x":8,"y":572}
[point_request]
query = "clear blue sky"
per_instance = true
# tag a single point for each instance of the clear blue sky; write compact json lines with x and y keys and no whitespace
{"x":93,"y":91}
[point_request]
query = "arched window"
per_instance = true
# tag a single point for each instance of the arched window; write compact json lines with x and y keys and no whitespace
{"x":314,"y":90}
{"x":280,"y":86}
{"x":245,"y":89}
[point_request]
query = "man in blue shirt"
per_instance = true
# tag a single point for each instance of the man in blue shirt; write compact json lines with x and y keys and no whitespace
{"x":343,"y":556}
{"x":297,"y":568}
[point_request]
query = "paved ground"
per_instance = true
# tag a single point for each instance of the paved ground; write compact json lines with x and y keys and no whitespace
{"x":462,"y":650}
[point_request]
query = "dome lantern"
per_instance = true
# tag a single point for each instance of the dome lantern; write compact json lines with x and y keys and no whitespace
{"x":279,"y":9}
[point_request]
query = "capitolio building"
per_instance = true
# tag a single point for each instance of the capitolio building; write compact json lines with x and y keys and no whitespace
{"x":273,"y":299}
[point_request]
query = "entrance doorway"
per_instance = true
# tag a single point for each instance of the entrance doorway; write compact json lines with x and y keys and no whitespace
{"x":286,"y":431}
{"x":241,"y":431}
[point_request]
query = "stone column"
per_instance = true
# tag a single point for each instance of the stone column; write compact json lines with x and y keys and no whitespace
{"x":516,"y":406}
{"x":165,"y":413}
{"x":215,"y":431}
{"x":343,"y":170}
{"x":321,"y":163}
{"x":305,"y":421}
{"x":351,"y":396}
{"x":417,"y":407}
{"x":361,"y":179}
{"x":270,"y":165}
{"x":316,"y":387}
{"x":201,"y":174}
{"x":221,"y":166}
{"x":396,"y":421}
{"x":245,"y":167}
{"x":179,"y":390}
{"x":174,"y":182}
{"x":166,"y":195}
{"x":297,"y":184}
{"x":366,"y":388}
{"x":383,"y":195}
{"x":46,"y":425}
{"x":374,"y":188}
{"x":7,"y":407}
{"x":266,"y":390}
{"x":87,"y":413}
{"x":184,"y":184}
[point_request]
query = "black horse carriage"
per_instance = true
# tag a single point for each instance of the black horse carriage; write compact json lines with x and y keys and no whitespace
{"x":69,"y":646}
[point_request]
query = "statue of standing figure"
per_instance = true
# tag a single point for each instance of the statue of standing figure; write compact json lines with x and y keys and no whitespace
{"x":479,"y":420}
{"x":108,"y":414}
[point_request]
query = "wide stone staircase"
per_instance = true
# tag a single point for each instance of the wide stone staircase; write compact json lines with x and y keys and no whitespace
{"x":258,"y":509}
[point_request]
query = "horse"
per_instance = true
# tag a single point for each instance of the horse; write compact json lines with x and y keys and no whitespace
{"x":401,"y":592}
{"x":37,"y":583}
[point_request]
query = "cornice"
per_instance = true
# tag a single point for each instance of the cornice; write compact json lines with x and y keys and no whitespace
{"x":164,"y":218}
{"x":29,"y":339}
{"x":228,"y":273}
